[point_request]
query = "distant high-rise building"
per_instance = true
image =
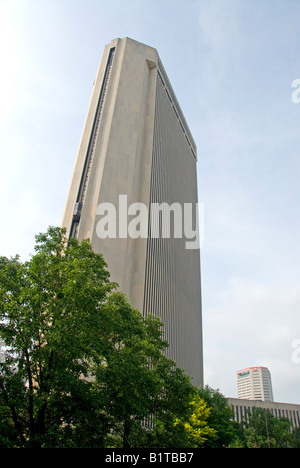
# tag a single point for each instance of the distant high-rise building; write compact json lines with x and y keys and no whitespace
{"x":135,"y":172}
{"x":254,"y":383}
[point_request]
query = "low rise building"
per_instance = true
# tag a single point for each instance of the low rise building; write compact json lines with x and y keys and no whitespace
{"x":242,"y":407}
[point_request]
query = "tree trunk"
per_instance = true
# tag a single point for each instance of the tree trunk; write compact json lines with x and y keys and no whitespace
{"x":126,"y":433}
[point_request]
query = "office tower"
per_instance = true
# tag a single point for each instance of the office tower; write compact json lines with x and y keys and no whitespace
{"x":254,"y":383}
{"x":134,"y":180}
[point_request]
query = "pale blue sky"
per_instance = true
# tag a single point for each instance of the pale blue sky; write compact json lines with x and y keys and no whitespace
{"x":231,"y":64}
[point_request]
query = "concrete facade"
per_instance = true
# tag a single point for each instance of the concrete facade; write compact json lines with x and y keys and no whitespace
{"x":136,"y":143}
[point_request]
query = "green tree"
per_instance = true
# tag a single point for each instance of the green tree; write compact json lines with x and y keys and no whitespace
{"x":221,"y":418}
{"x":183,"y":417}
{"x":195,"y":425}
{"x":51,"y":330}
{"x":133,"y":375}
{"x":295,"y":438}
{"x":173,"y":403}
{"x":281,"y":436}
{"x":82,"y":367}
{"x":262,"y":430}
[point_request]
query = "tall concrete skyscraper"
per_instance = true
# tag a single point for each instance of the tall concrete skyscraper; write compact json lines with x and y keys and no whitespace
{"x":135,"y":172}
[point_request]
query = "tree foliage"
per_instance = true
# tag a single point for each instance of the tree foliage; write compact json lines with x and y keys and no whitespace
{"x":195,"y":425}
{"x":261,"y":429}
{"x":220,"y":418}
{"x":82,"y":367}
